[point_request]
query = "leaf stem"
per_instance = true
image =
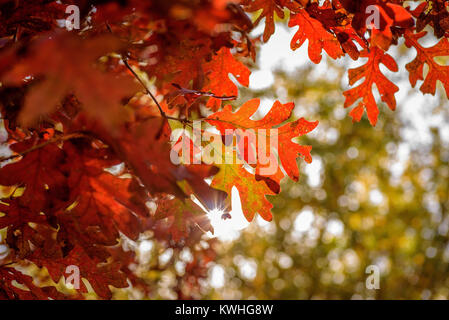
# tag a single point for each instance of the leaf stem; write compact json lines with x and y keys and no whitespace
{"x":147,"y":90}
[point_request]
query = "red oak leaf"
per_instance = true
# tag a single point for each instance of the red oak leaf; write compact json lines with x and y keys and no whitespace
{"x":38,"y":172}
{"x":100,"y":276}
{"x":16,"y":216}
{"x":252,"y":192}
{"x":268,"y":174}
{"x":287,"y":150}
{"x":427,"y":56}
{"x":104,"y":203}
{"x":339,"y":25}
{"x":319,"y":38}
{"x":372,"y":75}
{"x":269,"y":8}
{"x":218,"y":70}
{"x":434,"y":13}
{"x":390,"y":16}
{"x":26,"y":19}
{"x":144,"y":146}
{"x":66,"y":65}
{"x":182,"y":218}
{"x":180,"y":56}
{"x":11,"y":280}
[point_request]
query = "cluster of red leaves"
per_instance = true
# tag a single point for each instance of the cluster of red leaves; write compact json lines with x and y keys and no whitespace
{"x":91,"y":139}
{"x":341,"y":27}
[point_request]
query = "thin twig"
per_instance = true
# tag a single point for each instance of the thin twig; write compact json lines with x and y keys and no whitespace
{"x":147,"y":90}
{"x":125,"y":61}
{"x":43,"y":144}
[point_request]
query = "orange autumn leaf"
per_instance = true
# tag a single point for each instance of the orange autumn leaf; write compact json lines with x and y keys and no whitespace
{"x":426,"y":56}
{"x":266,"y":180}
{"x":382,"y":18}
{"x":217,"y":70}
{"x":288,"y":150}
{"x":391,"y":16}
{"x":72,"y":69}
{"x":269,"y":9}
{"x":319,"y":38}
{"x":252,"y":192}
{"x":372,"y":75}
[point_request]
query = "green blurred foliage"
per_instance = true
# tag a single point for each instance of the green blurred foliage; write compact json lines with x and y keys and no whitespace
{"x":370,"y":197}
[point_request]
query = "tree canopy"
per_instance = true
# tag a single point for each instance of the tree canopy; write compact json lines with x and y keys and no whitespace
{"x":102,"y":103}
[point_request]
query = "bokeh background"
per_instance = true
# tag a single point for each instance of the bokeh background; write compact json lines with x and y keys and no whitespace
{"x":372,"y":196}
